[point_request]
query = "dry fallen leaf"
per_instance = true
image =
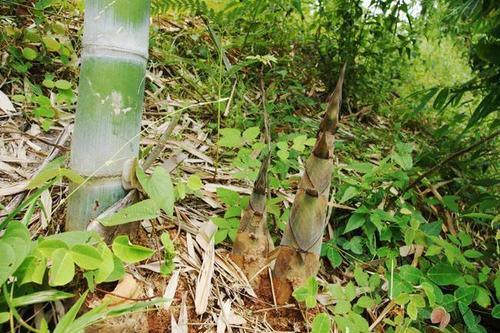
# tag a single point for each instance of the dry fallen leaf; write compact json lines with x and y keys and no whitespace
{"x":440,"y":316}
{"x":171,"y":289}
{"x":204,"y":281}
{"x":5,"y":104}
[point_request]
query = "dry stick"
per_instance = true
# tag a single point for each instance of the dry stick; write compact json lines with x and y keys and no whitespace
{"x":453,"y":156}
{"x":155,"y":153}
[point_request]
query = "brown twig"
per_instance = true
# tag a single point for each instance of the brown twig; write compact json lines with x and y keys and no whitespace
{"x":453,"y":156}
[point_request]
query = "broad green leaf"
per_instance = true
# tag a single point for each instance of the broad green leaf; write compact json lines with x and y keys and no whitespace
{"x":15,"y":245}
{"x":220,"y":235}
{"x":465,"y":294}
{"x":361,"y":277}
{"x":410,"y":274}
{"x":48,"y":246}
{"x":365,"y":302}
{"x":283,"y":154}
{"x":473,"y":254}
{"x":231,"y":138}
{"x":355,"y":221}
{"x":321,"y":323}
{"x":128,"y":252}
{"x":482,"y":297}
{"x":51,"y":43}
{"x":63,"y":268}
{"x":106,"y":266}
{"x":443,"y":274}
{"x":251,"y":133}
{"x":307,"y":293}
{"x":32,"y":270}
{"x":194,"y":182}
{"x":146,"y":209}
{"x":118,"y":270}
{"x":229,"y":197}
{"x":334,"y":256}
{"x":86,"y":256}
{"x":159,"y":188}
{"x":63,"y":84}
{"x":495,"y":313}
{"x":349,"y":193}
{"x":30,"y":53}
{"x":342,"y":307}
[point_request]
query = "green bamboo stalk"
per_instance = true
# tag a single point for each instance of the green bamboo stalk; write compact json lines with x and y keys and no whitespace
{"x":300,"y":247}
{"x":110,"y":102}
{"x":253,"y":241}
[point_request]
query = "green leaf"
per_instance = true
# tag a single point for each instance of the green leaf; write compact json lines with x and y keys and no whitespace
{"x":43,"y":296}
{"x":251,"y":133}
{"x":342,"y":307}
{"x":229,"y":197}
{"x":159,"y":188}
{"x":361,"y":277}
{"x":299,"y":143}
{"x":365,"y":302}
{"x":63,"y":84}
{"x":128,"y":252}
{"x":4,"y":317}
{"x":427,"y":97}
{"x":30,"y":53}
{"x":86,"y":256}
{"x":146,"y":209}
{"x":410,"y":274}
{"x":220,"y":236}
{"x":15,"y":245}
{"x":194,"y":183}
{"x":51,"y":43}
{"x":48,"y":246}
{"x":443,"y":274}
{"x":32,"y":270}
{"x":63,"y":268}
{"x":307,"y":293}
{"x":334,"y":257}
{"x":283,"y":154}
{"x":495,"y":313}
{"x":349,"y":193}
{"x":106,"y":266}
{"x":231,"y":138}
{"x":473,"y":254}
{"x":64,"y":324}
{"x":355,"y":221}
{"x":118,"y":270}
{"x":321,"y":323}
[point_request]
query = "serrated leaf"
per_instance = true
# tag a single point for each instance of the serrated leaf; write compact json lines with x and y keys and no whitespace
{"x":86,"y":256}
{"x":128,"y":252}
{"x":62,"y":270}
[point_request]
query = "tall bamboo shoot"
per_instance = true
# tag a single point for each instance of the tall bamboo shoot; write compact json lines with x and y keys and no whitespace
{"x":299,"y":252}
